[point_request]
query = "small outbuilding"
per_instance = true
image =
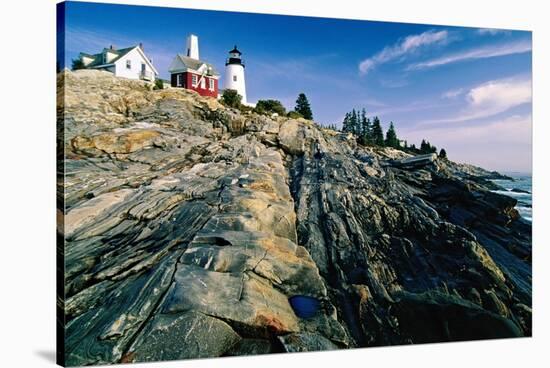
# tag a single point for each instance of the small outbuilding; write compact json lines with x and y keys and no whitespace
{"x":188,"y":71}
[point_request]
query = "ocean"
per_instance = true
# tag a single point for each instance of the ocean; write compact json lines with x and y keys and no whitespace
{"x":520,"y":188}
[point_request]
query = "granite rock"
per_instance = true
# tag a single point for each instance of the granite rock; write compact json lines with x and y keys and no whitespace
{"x":187,"y":226}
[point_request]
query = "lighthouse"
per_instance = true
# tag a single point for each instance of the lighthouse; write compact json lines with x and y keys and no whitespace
{"x":234,"y":73}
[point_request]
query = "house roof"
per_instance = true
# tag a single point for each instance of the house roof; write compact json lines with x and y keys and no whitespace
{"x":182,"y":63}
{"x":98,"y":58}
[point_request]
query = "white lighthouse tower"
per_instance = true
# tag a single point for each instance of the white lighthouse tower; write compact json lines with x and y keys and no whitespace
{"x":192,"y":47}
{"x":234,"y":74}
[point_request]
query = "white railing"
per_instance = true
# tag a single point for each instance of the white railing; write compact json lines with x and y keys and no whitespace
{"x":146,"y":75}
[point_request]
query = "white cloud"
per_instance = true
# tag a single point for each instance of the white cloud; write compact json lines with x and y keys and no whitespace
{"x":479,"y":53}
{"x":453,"y":93}
{"x":372,"y":102}
{"x":492,"y":31}
{"x":503,"y":144}
{"x":501,"y":94}
{"x":492,"y":98}
{"x":408,"y":45}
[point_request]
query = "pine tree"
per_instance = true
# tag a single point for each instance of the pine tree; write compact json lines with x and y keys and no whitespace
{"x":368,"y":132}
{"x":345,"y":123}
{"x":364,"y":133}
{"x":424,"y":146}
{"x":377,"y":135}
{"x":303,"y":107}
{"x":391,"y":137}
{"x":353,"y":122}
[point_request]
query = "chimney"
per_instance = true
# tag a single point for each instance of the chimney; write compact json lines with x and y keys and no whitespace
{"x":112,"y":47}
{"x":192,"y":48}
{"x":141,"y":46}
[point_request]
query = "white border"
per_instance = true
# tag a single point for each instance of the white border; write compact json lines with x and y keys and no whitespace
{"x":27,"y":201}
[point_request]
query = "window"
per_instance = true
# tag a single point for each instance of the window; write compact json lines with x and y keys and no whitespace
{"x":203,"y":83}
{"x":128,"y":64}
{"x":194,"y":80}
{"x":211,"y":84}
{"x":179,"y":80}
{"x":234,"y":78}
{"x":105,"y":58}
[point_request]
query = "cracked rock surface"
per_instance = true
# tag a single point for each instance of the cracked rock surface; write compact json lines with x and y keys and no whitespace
{"x":187,"y":226}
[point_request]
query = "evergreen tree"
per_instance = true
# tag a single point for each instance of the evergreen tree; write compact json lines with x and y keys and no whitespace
{"x":377,"y":135}
{"x":345,"y":123}
{"x":353,"y":122}
{"x":443,"y":153}
{"x":424,"y":146}
{"x":364,"y":130}
{"x":368,"y":132}
{"x":303,"y":107}
{"x":391,"y":137}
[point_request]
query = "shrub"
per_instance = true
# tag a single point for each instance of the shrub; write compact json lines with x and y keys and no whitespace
{"x":245,"y":108}
{"x":270,"y":107}
{"x":294,"y":115}
{"x":231,"y":98}
{"x":77,"y":64}
{"x":159,"y":84}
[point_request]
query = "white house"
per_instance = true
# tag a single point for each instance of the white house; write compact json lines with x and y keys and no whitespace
{"x":130,"y":62}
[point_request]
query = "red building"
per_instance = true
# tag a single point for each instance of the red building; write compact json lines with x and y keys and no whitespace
{"x":188,"y":71}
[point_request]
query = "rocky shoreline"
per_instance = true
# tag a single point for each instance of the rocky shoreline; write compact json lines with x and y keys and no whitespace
{"x":188,"y":226}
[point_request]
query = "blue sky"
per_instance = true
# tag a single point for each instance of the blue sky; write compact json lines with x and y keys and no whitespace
{"x":465,"y":89}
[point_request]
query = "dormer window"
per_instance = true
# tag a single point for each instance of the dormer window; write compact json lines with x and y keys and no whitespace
{"x":128,"y":64}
